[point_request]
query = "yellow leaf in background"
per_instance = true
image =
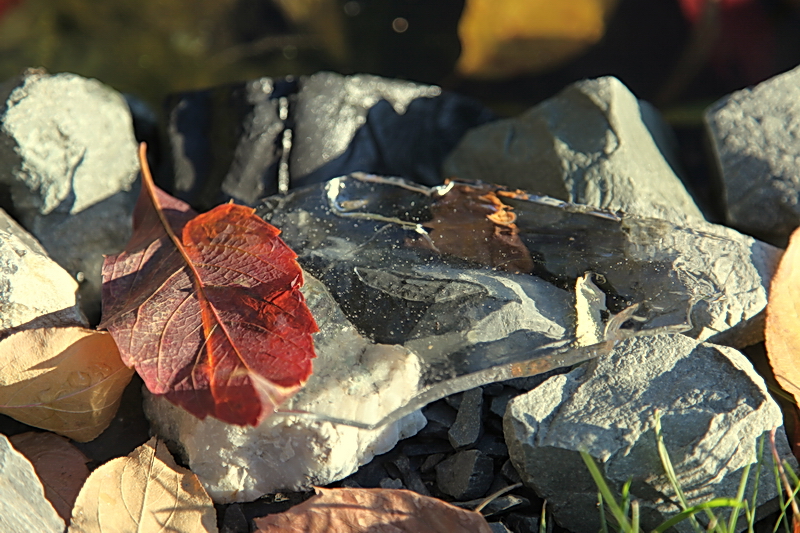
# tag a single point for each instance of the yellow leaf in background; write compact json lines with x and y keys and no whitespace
{"x":502,"y":38}
{"x":66,"y":380}
{"x":782,"y":329}
{"x":145,"y":491}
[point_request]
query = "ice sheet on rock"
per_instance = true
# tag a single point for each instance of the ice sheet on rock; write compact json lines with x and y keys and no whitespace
{"x":368,"y":240}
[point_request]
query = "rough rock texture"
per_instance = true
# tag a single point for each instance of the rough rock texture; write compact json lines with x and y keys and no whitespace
{"x":67,"y":143}
{"x":249,"y":140}
{"x":23,"y":507}
{"x":754,"y":136}
{"x":714,"y":408}
{"x":594,"y":143}
{"x":34,"y":290}
{"x":353,"y":379}
{"x":68,"y":160}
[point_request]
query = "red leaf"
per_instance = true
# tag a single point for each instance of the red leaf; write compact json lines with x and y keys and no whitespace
{"x":208,"y":308}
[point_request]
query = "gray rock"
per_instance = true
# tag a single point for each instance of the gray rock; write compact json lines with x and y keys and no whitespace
{"x":23,"y":506}
{"x":714,"y":409}
{"x":80,"y":242}
{"x":67,"y":143}
{"x":594,"y":143}
{"x":68,"y":158}
{"x":754,"y":136}
{"x":34,"y":290}
{"x":468,"y":426}
{"x":465,"y":475}
{"x":353,"y":379}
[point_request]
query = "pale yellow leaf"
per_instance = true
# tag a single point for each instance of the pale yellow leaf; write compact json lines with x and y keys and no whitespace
{"x":782,"y":330}
{"x":501,"y":38}
{"x":373,"y":510}
{"x":66,"y":380}
{"x":60,"y":466}
{"x":143,"y":492}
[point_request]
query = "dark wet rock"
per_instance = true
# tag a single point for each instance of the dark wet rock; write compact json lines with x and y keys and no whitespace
{"x":431,"y":461}
{"x":248,"y":140}
{"x":468,"y":426}
{"x":510,"y":472}
{"x":234,"y":520}
{"x":465,"y":475}
{"x":390,"y":483}
{"x":419,"y":447}
{"x":500,"y":401}
{"x":499,"y":527}
{"x":492,"y":445}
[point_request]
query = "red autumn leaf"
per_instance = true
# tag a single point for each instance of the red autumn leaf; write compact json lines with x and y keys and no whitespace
{"x":208,"y":308}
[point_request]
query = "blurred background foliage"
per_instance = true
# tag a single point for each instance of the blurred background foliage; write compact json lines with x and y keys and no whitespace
{"x":510,"y":54}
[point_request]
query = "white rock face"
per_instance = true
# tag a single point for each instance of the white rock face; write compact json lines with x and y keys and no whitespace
{"x":714,"y":408}
{"x":593,"y":143}
{"x":34,"y":290}
{"x":23,"y":507}
{"x":353,"y":379}
{"x":754,"y":136}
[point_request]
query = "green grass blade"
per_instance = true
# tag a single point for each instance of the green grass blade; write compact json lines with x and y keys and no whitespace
{"x":613,"y":506}
{"x":693,"y":510}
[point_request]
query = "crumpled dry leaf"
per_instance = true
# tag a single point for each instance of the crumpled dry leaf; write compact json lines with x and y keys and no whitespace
{"x":782,"y":329}
{"x":501,"y":38}
{"x":23,"y":506}
{"x":67,"y":380}
{"x":371,"y":510}
{"x":60,"y":466}
{"x":145,"y":491}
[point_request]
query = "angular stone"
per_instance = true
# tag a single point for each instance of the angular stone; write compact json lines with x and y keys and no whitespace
{"x":714,"y":408}
{"x":594,"y":143}
{"x":754,"y":136}
{"x":23,"y":506}
{"x":499,"y":402}
{"x":34,"y":290}
{"x":68,"y":157}
{"x":465,"y":475}
{"x":353,"y":379}
{"x":67,"y":143}
{"x":468,"y":426}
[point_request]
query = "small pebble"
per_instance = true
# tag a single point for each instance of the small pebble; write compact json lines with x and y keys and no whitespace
{"x":466,"y":475}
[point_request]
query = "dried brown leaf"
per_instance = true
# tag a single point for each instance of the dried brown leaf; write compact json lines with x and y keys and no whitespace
{"x":782,"y":330}
{"x":145,"y":491}
{"x":66,"y":380}
{"x":372,"y":510}
{"x":60,"y":466}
